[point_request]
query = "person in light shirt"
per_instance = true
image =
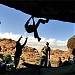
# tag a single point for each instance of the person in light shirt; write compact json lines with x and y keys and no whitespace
{"x":46,"y":49}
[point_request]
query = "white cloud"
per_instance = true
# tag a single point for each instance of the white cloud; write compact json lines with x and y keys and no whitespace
{"x":32,"y":42}
{"x":58,"y":44}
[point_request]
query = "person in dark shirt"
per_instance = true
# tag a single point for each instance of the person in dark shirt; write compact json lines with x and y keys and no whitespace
{"x":18,"y":51}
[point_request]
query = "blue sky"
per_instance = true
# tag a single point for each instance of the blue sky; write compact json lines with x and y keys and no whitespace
{"x":13,"y":21}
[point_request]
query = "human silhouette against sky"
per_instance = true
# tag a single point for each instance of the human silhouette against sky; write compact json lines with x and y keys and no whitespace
{"x":33,"y":28}
{"x":18,"y":51}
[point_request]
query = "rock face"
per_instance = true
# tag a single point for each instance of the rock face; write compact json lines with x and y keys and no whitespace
{"x":7,"y":46}
{"x":55,"y":54}
{"x":71,"y":44}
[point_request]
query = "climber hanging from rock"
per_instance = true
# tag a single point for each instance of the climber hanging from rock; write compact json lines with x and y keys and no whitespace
{"x":33,"y":28}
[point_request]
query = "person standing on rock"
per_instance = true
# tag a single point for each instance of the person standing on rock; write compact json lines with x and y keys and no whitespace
{"x":46,"y":49}
{"x":18,"y":51}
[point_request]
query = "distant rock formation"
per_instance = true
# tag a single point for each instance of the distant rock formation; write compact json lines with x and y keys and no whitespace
{"x":7,"y":46}
{"x":60,"y":53}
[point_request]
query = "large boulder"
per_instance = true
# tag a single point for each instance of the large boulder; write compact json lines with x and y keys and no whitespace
{"x":71,"y":44}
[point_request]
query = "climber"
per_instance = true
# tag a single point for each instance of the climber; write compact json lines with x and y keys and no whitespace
{"x":33,"y":28}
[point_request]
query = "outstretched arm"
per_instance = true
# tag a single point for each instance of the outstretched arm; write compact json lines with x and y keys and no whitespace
{"x":19,"y":38}
{"x":26,"y":25}
{"x":33,"y":21}
{"x":25,"y":42}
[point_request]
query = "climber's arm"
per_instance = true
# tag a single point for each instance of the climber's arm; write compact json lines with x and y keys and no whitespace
{"x":26,"y":24}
